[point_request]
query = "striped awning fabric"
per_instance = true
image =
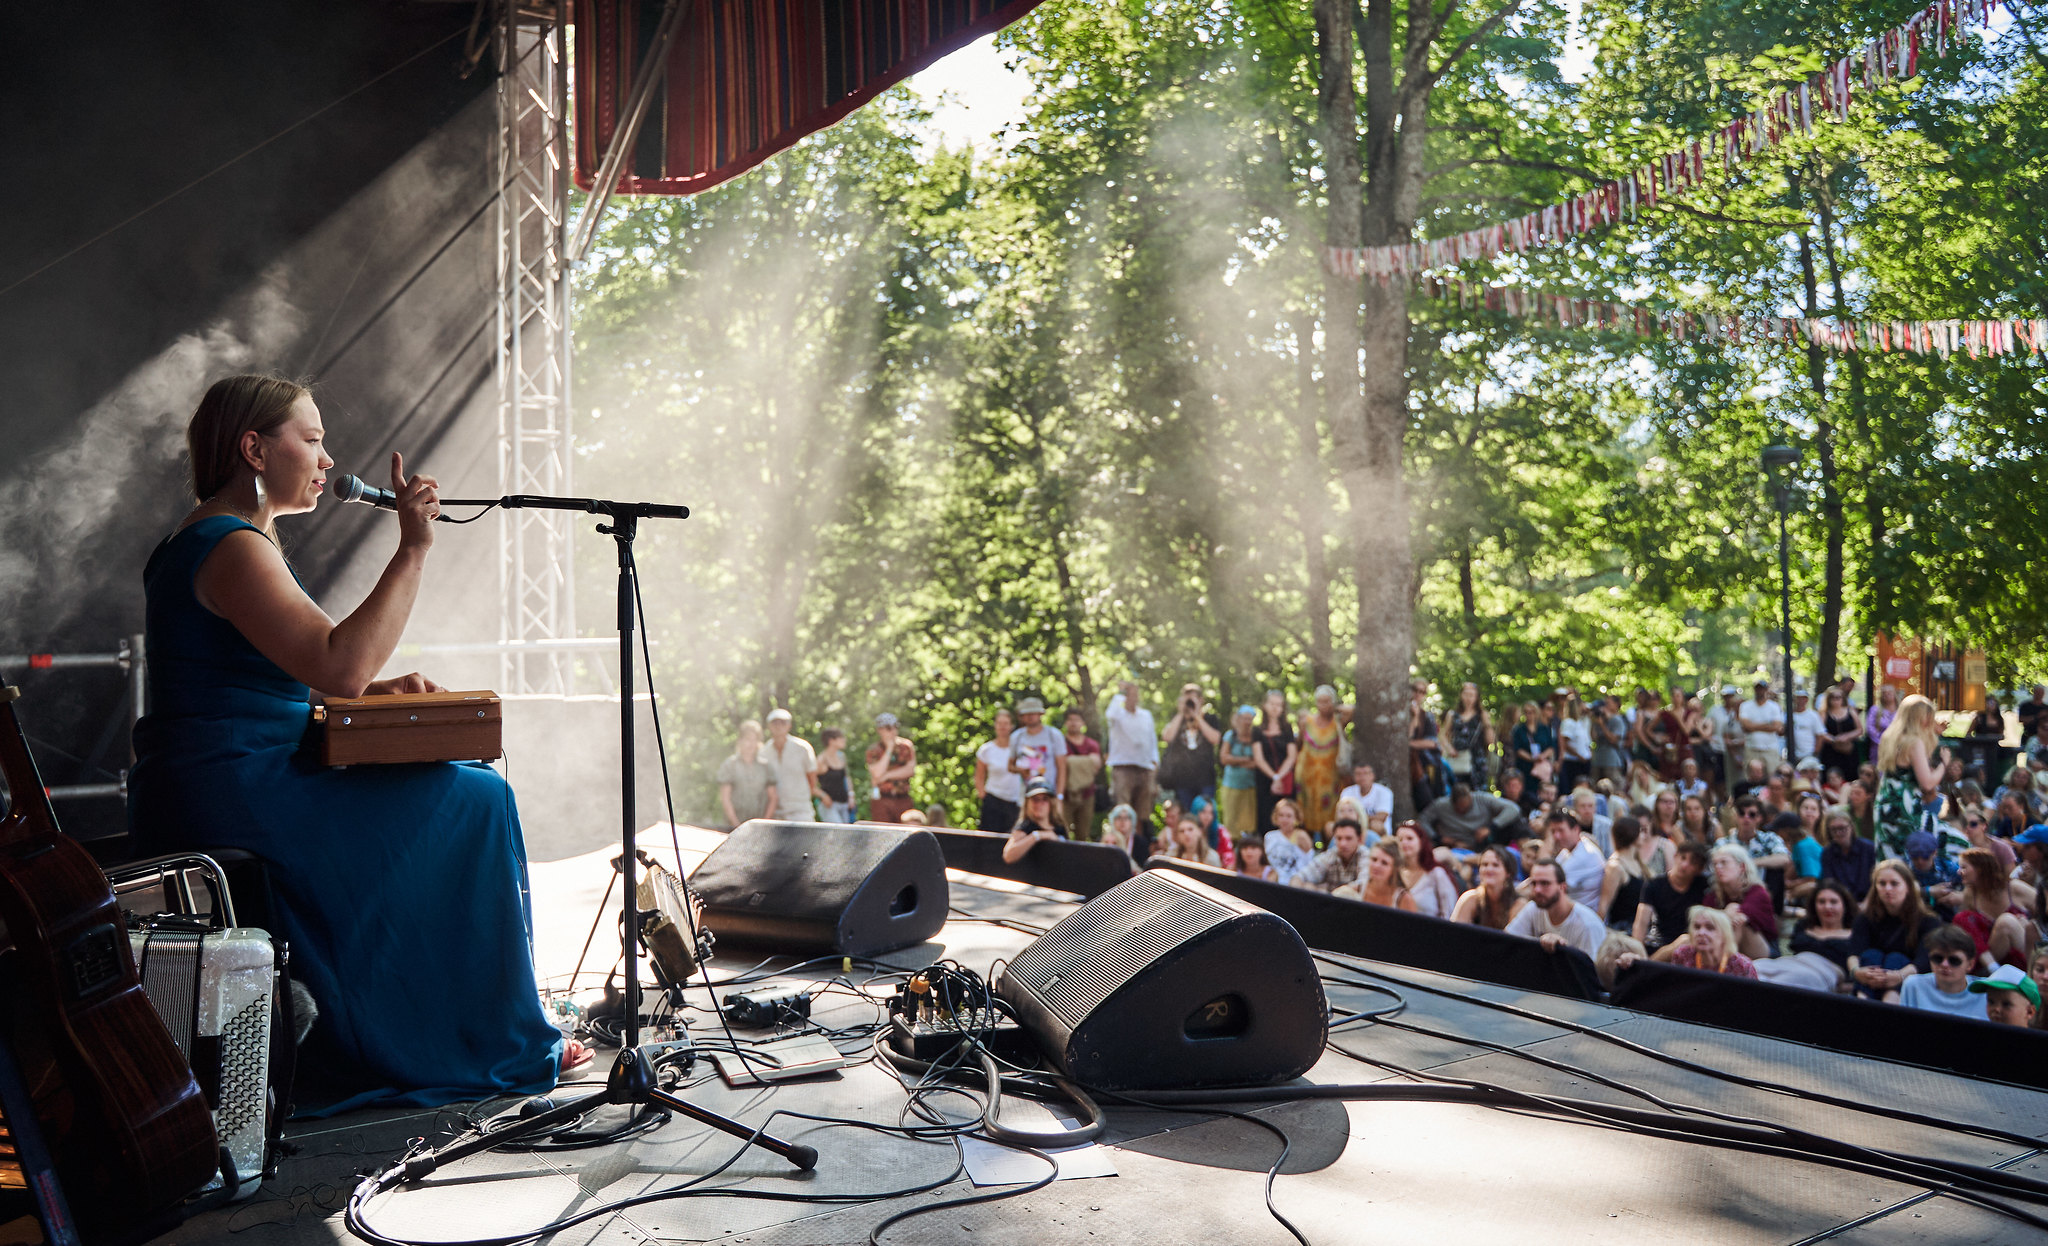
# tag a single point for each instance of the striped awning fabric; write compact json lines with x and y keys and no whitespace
{"x":747,"y":78}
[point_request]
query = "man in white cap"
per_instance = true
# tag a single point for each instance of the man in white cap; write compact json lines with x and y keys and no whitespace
{"x":1807,"y":725}
{"x":792,"y":760}
{"x":1036,"y":750}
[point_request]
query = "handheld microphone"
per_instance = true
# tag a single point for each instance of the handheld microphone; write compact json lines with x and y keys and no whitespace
{"x":352,"y":489}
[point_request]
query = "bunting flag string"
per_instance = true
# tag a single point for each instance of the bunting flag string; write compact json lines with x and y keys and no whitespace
{"x":1975,"y":338}
{"x":1891,"y":56}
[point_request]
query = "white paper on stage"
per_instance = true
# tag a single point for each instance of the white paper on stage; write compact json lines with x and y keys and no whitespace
{"x":990,"y":1164}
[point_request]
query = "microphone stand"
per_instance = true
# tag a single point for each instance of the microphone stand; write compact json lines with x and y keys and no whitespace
{"x":632,"y":1077}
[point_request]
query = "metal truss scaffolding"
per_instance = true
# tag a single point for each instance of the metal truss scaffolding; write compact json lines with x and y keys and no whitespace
{"x":536,"y":601}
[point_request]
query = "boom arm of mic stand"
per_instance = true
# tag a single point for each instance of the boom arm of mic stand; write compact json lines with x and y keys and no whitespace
{"x":589,"y":506}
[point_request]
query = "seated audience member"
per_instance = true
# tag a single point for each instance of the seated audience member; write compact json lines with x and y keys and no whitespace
{"x":1515,"y":789}
{"x":1552,"y":917}
{"x":1585,"y":808}
{"x":1735,"y":889}
{"x":936,"y":815}
{"x":1937,"y":875}
{"x":1696,"y":822}
{"x":2010,"y":997}
{"x":1467,"y":819}
{"x":1582,"y":863}
{"x":913,"y":817}
{"x":2037,"y":969}
{"x":1120,"y":827}
{"x":1950,"y":953}
{"x":1039,"y":821}
{"x":1492,"y":902}
{"x":1638,"y":858}
{"x":1339,"y":865}
{"x":1834,"y":786}
{"x":1382,"y":882}
{"x":1661,"y":917}
{"x":1287,"y":823}
{"x":1689,"y":781}
{"x":1643,"y":784}
{"x":1803,"y":840}
{"x":1375,"y":801}
{"x":1710,"y":945}
{"x":1819,"y":957}
{"x":1858,"y":803}
{"x":1251,"y":860}
{"x":1612,"y":949}
{"x":1428,"y":882}
{"x":1847,"y":857}
{"x":1764,"y":847}
{"x":1189,"y":844}
{"x":1976,"y":826}
{"x":1986,"y":912}
{"x":1214,"y":833}
{"x":1887,"y":943}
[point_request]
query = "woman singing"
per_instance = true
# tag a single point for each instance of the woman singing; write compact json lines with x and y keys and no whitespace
{"x":402,"y":889}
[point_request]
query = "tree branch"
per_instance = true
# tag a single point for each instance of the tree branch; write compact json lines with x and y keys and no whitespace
{"x":1470,"y":41}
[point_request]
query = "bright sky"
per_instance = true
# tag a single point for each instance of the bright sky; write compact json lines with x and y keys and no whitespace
{"x":972,"y":94}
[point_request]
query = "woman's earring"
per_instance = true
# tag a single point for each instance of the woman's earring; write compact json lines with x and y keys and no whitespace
{"x":262,"y":494}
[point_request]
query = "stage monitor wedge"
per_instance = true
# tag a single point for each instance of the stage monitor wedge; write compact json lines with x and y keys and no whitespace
{"x":824,"y":887}
{"x":1165,"y":983}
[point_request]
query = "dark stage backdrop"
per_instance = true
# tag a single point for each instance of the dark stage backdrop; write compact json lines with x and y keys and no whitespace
{"x":204,"y":188}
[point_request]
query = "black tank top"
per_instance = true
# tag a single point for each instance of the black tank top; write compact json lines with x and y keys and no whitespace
{"x":832,"y":782}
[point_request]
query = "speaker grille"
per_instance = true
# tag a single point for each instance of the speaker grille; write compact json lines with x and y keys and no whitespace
{"x":1122,"y":932}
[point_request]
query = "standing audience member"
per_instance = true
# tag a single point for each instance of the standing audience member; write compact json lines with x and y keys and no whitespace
{"x":1436,"y":894}
{"x":1983,"y":744}
{"x":1672,"y":735}
{"x":1946,"y":987}
{"x":829,"y":783}
{"x":1763,"y":727}
{"x":1492,"y":903}
{"x":2010,"y":997}
{"x":1887,"y":945}
{"x":1807,"y":728}
{"x":1274,"y":757}
{"x":1552,"y":917}
{"x":1909,"y":761}
{"x":1133,"y":753}
{"x":1382,"y":883}
{"x":746,"y":784}
{"x":1661,"y":917}
{"x":1425,"y":757}
{"x":1039,"y":822}
{"x":1730,"y":741}
{"x":892,"y":762}
{"x":1375,"y":800}
{"x":2029,"y":712}
{"x":1084,"y":766}
{"x":1574,"y":745}
{"x":1239,"y":790}
{"x":1187,"y":765}
{"x":1841,"y":729}
{"x":1879,"y":720}
{"x":1315,"y":769}
{"x":1039,"y":752}
{"x":1610,"y":742}
{"x":792,"y":759}
{"x":1469,"y":732}
{"x":999,"y":788}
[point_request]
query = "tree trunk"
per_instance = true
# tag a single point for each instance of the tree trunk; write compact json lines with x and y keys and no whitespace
{"x":1309,"y":493}
{"x":1878,"y":606}
{"x":1824,"y":657}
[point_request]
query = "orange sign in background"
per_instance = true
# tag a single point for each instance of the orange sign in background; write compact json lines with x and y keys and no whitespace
{"x":1948,"y":675}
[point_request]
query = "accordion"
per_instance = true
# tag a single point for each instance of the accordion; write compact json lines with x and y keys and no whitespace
{"x":216,"y":991}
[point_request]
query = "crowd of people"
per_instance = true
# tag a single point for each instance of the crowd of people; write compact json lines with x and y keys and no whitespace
{"x":1875,"y":856}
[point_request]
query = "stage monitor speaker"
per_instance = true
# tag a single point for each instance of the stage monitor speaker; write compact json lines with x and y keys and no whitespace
{"x":824,"y":887}
{"x":1165,"y":983}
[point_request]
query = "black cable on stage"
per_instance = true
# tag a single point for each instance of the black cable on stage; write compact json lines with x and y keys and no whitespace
{"x":1904,"y":1115}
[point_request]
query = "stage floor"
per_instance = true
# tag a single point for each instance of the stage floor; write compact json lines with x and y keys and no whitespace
{"x":1358,"y":1172}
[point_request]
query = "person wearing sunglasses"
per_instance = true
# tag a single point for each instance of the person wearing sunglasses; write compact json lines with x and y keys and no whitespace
{"x":1950,"y":953}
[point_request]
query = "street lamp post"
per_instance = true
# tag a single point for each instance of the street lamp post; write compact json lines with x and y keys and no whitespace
{"x":1777,"y":464}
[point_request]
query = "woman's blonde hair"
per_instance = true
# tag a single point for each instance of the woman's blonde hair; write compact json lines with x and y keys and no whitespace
{"x":1721,"y":923}
{"x":1750,"y":877}
{"x":233,"y":407}
{"x":1915,"y":721}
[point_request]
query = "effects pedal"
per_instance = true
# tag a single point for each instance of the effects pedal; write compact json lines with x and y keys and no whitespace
{"x":768,"y":1009}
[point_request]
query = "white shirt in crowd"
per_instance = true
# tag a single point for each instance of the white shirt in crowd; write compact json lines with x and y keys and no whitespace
{"x":1584,"y":868}
{"x":792,"y":767}
{"x":1690,"y":787}
{"x":1580,"y":929}
{"x":1378,"y":800}
{"x":1003,"y":783}
{"x":1807,"y":726}
{"x":1757,"y":720}
{"x":1576,"y":735}
{"x":1726,"y":738}
{"x":1133,"y":739}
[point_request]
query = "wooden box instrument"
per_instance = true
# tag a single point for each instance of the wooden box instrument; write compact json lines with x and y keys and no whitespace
{"x":411,"y":727}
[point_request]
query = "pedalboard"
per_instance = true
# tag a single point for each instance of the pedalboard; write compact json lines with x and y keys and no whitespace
{"x":938,"y":1038}
{"x":762,"y":1010}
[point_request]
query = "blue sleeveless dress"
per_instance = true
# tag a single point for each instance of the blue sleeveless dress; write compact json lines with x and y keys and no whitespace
{"x":401,"y":888}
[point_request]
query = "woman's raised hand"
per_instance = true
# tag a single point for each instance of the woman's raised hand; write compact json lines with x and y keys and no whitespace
{"x":418,"y":504}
